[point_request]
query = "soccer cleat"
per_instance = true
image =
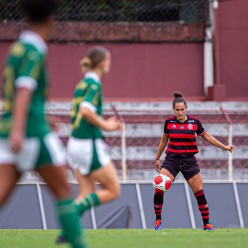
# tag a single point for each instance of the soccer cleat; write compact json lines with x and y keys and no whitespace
{"x":208,"y":227}
{"x":158,"y":224}
{"x":61,"y":240}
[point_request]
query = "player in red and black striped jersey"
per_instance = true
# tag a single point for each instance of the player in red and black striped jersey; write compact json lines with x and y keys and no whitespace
{"x":180,"y":131}
{"x":182,"y":137}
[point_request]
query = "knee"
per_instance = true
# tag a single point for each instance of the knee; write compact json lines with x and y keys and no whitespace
{"x":116,"y":191}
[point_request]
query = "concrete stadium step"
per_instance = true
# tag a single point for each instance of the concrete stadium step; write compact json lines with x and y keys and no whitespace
{"x":156,"y":130}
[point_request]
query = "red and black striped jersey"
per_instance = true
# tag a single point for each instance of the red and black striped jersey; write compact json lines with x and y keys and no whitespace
{"x":182,"y":136}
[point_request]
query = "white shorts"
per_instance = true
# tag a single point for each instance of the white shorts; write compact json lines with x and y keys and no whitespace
{"x":35,"y":153}
{"x":87,"y":155}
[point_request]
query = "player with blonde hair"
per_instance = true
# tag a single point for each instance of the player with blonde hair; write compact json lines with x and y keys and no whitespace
{"x":86,"y":147}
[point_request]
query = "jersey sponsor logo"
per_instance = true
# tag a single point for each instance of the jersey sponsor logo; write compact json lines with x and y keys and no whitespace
{"x":181,"y":127}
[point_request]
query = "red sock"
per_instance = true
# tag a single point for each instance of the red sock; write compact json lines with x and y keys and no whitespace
{"x":203,"y":206}
{"x":158,"y":203}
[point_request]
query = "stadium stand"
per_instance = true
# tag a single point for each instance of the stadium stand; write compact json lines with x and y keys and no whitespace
{"x":227,"y":121}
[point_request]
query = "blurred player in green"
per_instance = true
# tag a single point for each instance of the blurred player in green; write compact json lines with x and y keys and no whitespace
{"x":26,"y":140}
{"x":86,"y":147}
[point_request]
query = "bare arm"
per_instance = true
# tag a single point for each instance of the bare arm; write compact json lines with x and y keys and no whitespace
{"x":20,"y":109}
{"x":111,"y":124}
{"x":161,"y":147}
{"x":210,"y":139}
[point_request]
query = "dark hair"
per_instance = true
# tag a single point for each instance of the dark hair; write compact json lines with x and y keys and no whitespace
{"x":39,"y":10}
{"x":94,"y":56}
{"x":178,"y":98}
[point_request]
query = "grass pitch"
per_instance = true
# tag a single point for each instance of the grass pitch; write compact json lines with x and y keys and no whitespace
{"x":173,"y":238}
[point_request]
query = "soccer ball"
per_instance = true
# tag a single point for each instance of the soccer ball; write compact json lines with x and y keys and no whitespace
{"x":162,"y":182}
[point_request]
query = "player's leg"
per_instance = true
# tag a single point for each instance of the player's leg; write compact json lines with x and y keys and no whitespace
{"x":8,"y":178}
{"x":9,"y":174}
{"x":51,"y":166}
{"x":110,"y":188}
{"x":55,"y":177}
{"x":86,"y":185}
{"x":196,"y":184}
{"x":168,"y":168}
{"x":92,"y":162}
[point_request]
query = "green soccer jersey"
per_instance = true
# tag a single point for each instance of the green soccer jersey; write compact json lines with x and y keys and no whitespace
{"x":25,"y":67}
{"x":88,"y":93}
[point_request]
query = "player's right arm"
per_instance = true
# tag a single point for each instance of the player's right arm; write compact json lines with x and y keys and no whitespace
{"x":111,"y":124}
{"x":88,"y":111}
{"x":161,"y":147}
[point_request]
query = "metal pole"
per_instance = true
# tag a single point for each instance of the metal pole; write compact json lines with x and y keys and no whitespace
{"x":123,"y":153}
{"x":230,"y":156}
{"x":230,"y":138}
{"x":42,"y":209}
{"x":191,"y":212}
{"x":236,"y":194}
{"x":141,"y":207}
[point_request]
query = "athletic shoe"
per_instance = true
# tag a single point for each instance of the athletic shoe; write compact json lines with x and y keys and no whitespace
{"x":208,"y":227}
{"x":61,"y":240}
{"x":157,"y":225}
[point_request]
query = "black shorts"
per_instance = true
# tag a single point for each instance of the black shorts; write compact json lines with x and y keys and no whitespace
{"x":188,"y":166}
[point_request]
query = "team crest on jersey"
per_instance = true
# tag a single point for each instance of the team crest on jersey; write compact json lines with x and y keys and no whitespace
{"x":190,"y":126}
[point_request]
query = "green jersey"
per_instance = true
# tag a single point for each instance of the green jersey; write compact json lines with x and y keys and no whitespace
{"x":88,"y":93}
{"x":25,"y":67}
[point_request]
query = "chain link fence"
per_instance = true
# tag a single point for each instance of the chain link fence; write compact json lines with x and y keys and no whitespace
{"x":110,"y":20}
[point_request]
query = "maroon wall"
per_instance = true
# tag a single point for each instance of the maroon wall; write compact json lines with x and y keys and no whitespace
{"x":233,"y":38}
{"x":138,"y":70}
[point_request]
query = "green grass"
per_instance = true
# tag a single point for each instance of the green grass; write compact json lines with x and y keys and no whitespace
{"x":171,"y":238}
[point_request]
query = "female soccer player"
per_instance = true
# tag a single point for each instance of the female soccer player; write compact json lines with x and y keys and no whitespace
{"x":86,"y":147}
{"x":180,"y":131}
{"x":26,"y":140}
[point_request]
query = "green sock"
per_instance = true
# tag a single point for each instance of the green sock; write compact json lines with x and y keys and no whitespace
{"x":70,"y":223}
{"x":89,"y":201}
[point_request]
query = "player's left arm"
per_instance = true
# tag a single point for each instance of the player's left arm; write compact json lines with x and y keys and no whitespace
{"x":212,"y":140}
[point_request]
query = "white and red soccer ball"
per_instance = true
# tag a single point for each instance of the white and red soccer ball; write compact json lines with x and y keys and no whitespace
{"x":162,"y":182}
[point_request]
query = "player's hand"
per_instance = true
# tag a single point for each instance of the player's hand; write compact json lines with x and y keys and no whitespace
{"x":16,"y":141}
{"x":157,"y":166}
{"x":230,"y":148}
{"x":113,"y":124}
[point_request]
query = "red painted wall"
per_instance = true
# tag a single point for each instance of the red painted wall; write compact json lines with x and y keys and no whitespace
{"x":138,"y":70}
{"x":233,"y":35}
